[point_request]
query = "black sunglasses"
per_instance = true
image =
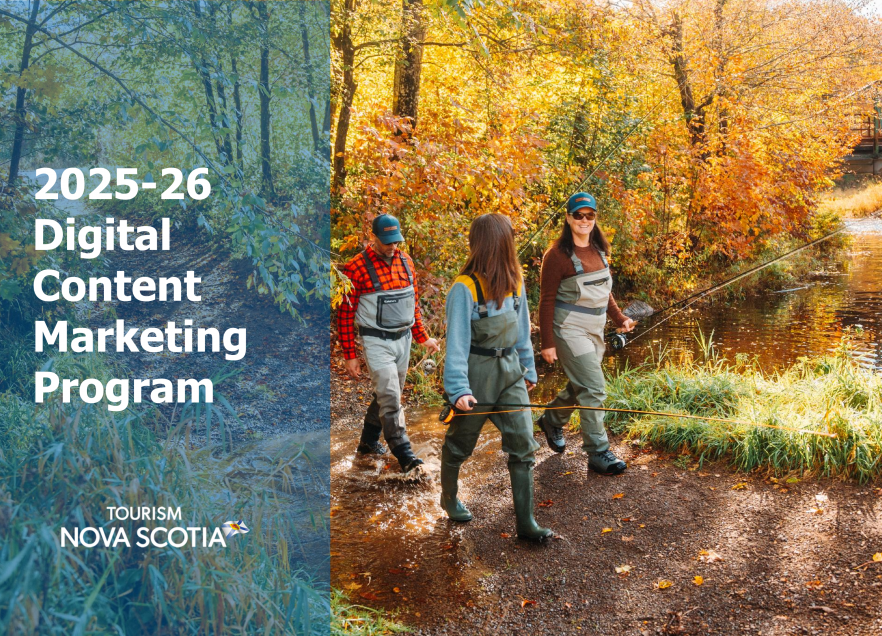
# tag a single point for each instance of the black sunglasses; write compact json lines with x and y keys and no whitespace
{"x":590,"y":215}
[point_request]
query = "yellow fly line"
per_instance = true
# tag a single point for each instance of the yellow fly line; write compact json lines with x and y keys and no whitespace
{"x":448,"y":413}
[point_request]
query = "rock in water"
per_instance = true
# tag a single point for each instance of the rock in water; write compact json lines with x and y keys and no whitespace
{"x":637,"y":309}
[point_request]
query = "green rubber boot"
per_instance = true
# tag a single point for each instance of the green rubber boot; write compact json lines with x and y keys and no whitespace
{"x":522,"y":493}
{"x":454,"y":508}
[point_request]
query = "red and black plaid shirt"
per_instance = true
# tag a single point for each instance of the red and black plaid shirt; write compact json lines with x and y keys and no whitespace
{"x":391,"y":277}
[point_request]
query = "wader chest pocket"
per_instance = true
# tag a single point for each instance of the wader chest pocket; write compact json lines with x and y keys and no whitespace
{"x":395,"y":310}
{"x":591,"y":283}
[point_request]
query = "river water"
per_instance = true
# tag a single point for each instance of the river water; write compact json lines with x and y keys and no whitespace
{"x":803,"y":318}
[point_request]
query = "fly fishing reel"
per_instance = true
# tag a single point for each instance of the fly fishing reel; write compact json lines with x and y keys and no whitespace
{"x":618,"y":341}
{"x":446,"y":414}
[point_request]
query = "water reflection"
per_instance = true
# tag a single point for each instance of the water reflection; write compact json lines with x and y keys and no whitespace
{"x":806,"y":318}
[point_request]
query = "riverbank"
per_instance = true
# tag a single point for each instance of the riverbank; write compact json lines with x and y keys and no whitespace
{"x":777,"y":553}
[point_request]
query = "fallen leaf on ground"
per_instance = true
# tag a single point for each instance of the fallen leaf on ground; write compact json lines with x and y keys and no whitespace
{"x":709,"y":556}
{"x":877,"y":557}
{"x":527,"y":602}
{"x":627,"y":518}
{"x":447,"y":546}
{"x":618,"y":495}
{"x":627,"y":538}
{"x":605,"y":530}
{"x":396,"y":589}
{"x":740,"y":486}
{"x":505,"y":535}
{"x":820,"y":497}
{"x":546,"y":504}
{"x":823,"y":608}
{"x":698,"y":580}
{"x":815,"y":583}
{"x":664,"y":584}
{"x":352,"y":586}
{"x":569,"y":472}
{"x":369,"y":596}
{"x":623,"y":569}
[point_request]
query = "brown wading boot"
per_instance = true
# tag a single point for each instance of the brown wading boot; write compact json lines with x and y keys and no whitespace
{"x":522,"y":493}
{"x":606,"y":463}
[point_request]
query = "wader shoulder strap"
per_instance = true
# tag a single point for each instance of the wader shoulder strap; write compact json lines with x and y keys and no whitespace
{"x":482,"y":306}
{"x":406,"y":268}
{"x":603,"y":257}
{"x":372,"y":271}
{"x":516,"y":299}
{"x":577,"y":263}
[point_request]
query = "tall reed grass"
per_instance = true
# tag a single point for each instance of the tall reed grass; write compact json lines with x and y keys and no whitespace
{"x":853,"y":202}
{"x":830,"y":394}
{"x":64,"y":464}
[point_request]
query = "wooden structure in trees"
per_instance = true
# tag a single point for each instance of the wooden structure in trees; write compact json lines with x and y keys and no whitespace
{"x":866,"y":154}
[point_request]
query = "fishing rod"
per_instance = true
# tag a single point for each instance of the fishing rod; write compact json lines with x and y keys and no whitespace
{"x":619,"y":340}
{"x":450,"y":411}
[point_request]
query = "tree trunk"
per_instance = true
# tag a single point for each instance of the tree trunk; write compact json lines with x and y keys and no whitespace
{"x":267,"y":188}
{"x":20,"y":94}
{"x":694,"y":117}
{"x":237,"y":102}
{"x":343,"y":43}
{"x":209,"y":91}
{"x":409,"y":66}
{"x":720,"y":73}
{"x":222,"y":96}
{"x":307,"y":65}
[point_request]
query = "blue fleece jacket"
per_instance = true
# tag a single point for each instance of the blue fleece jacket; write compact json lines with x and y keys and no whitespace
{"x":462,"y":308}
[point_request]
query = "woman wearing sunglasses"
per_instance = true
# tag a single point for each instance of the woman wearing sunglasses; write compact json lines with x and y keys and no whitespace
{"x":490,"y":360}
{"x":575,"y":301}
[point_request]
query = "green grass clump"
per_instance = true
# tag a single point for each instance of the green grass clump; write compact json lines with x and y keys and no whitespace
{"x":357,"y":620}
{"x":62,"y":465}
{"x":830,"y":394}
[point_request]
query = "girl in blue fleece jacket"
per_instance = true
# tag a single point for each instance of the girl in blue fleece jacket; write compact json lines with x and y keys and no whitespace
{"x":490,"y":361}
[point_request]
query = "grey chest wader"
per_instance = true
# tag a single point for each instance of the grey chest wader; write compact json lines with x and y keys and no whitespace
{"x":579,"y":319}
{"x":384,"y":318}
{"x":495,"y":375}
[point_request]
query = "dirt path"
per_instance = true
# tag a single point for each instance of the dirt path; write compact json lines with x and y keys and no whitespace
{"x":285,"y":371}
{"x":776,"y":558}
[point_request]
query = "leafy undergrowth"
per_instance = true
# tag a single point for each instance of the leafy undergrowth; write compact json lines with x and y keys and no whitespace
{"x":357,"y":620}
{"x":62,"y":465}
{"x":830,"y":394}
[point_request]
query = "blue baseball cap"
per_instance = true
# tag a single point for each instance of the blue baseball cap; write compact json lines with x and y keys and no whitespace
{"x":581,"y":200}
{"x":386,"y":228}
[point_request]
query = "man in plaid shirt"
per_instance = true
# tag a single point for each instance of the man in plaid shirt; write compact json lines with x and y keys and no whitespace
{"x":383,"y":308}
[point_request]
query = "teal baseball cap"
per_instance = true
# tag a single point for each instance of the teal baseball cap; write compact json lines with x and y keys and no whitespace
{"x":386,"y":228}
{"x":581,"y":200}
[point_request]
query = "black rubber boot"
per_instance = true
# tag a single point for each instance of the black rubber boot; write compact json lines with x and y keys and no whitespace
{"x":370,"y":441}
{"x":553,"y":435}
{"x":454,"y":508}
{"x":522,"y":493}
{"x":406,"y":459}
{"x":606,"y":463}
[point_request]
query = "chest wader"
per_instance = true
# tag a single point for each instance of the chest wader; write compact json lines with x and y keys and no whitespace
{"x":495,"y":375}
{"x":384,"y":318}
{"x":579,"y":319}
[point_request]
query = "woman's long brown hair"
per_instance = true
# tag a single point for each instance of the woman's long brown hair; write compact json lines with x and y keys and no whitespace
{"x":493,"y":257}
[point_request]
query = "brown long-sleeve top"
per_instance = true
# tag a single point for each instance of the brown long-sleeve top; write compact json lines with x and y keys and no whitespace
{"x":557,"y":266}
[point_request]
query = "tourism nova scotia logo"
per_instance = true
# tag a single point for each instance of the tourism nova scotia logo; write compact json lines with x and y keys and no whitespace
{"x":157,"y":536}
